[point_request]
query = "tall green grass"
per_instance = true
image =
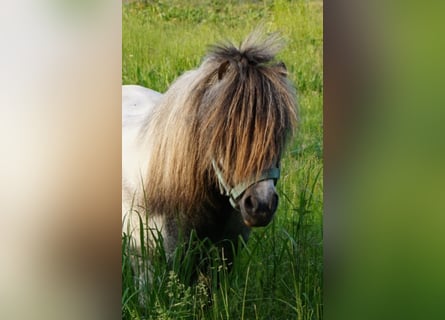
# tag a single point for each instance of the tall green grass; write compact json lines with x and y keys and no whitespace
{"x":278,"y":273}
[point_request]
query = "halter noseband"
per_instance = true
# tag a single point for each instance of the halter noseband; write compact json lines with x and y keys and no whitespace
{"x":234,"y":193}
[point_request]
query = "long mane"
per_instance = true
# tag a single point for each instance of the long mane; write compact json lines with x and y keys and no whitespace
{"x":237,"y":108}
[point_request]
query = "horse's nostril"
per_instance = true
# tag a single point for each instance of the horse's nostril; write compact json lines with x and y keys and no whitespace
{"x":273,"y":204}
{"x":250,"y":204}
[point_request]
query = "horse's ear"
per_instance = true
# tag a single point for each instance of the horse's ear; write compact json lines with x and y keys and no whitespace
{"x":222,"y":69}
{"x":282,"y":68}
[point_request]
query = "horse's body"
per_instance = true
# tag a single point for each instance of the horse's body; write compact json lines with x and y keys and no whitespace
{"x":204,"y":156}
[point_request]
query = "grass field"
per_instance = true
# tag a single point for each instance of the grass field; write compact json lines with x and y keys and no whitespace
{"x":278,"y":274}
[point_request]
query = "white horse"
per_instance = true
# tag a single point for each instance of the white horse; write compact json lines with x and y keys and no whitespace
{"x":205,"y":155}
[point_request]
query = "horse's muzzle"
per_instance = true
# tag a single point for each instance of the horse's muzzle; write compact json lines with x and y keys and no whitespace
{"x":259,"y":203}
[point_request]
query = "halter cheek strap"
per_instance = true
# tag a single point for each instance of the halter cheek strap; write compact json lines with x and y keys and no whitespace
{"x":234,"y":193}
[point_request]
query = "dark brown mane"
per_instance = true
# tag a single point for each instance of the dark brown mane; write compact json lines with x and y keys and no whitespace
{"x":237,"y":108}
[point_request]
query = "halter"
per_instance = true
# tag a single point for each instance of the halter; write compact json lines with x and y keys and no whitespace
{"x":234,"y":193}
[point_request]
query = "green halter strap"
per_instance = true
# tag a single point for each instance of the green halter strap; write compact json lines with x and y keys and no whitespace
{"x":234,"y":193}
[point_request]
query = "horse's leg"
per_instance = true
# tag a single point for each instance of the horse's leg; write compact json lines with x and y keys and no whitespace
{"x":144,"y":234}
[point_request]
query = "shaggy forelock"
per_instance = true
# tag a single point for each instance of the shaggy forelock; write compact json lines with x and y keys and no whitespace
{"x":238,"y":108}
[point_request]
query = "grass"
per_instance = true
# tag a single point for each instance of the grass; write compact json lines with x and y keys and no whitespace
{"x":278,"y":273}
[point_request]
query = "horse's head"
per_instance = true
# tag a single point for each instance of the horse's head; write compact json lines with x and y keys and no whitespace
{"x":247,"y":112}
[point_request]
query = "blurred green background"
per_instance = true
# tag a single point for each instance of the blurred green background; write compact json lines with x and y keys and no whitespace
{"x":384,"y":159}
